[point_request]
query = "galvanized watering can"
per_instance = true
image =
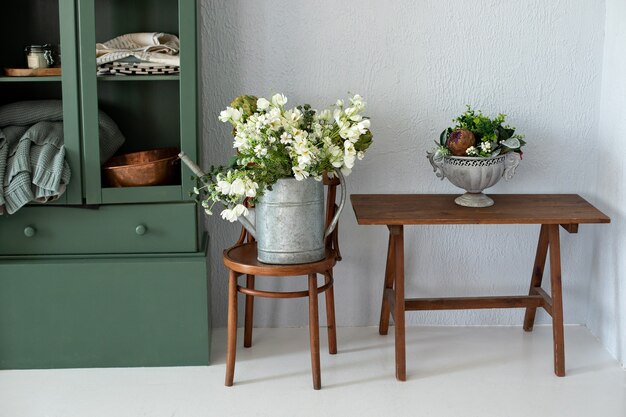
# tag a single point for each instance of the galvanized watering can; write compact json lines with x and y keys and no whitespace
{"x":288,"y":221}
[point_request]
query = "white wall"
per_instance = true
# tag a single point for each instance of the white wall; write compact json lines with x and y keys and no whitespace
{"x":607,"y":311}
{"x":418,"y":64}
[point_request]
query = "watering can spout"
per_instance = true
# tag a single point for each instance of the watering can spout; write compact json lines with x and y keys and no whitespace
{"x":191,"y":165}
{"x":248,"y":220}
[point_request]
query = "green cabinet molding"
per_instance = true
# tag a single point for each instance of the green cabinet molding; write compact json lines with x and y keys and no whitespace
{"x":105,"y":276}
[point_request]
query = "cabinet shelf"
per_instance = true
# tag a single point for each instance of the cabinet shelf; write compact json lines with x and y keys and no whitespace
{"x":138,"y":78}
{"x":5,"y":79}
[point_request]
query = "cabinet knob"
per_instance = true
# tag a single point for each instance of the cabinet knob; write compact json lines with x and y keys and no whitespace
{"x":29,"y":231}
{"x":141,"y":229}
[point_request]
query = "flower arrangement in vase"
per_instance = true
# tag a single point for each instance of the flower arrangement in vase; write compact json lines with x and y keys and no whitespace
{"x":281,"y":157}
{"x":273,"y":142}
{"x":475,"y":153}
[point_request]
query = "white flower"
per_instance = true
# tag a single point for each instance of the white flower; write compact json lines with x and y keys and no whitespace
{"x":360,"y":155}
{"x":325,"y":115}
{"x":357,"y":101}
{"x":223,"y":187}
{"x":337,"y":115}
{"x":240,"y":142}
{"x":304,"y":158}
{"x":471,"y":150}
{"x":260,"y":151}
{"x":363,"y":125}
{"x":240,"y":209}
{"x":349,"y":154}
{"x":285,"y":138}
{"x":299,"y":173}
{"x":230,"y":115}
{"x":339,"y":103}
{"x":351,"y":111}
{"x":229,"y":215}
{"x":232,"y":214}
{"x":292,"y":117}
{"x":336,"y":156}
{"x":251,"y":188}
{"x":237,"y":187}
{"x":279,"y":100}
{"x":261,"y":121}
{"x":348,"y":161}
{"x":262,"y":103}
{"x":351,"y":133}
{"x":485,"y":146}
{"x":196,"y":190}
{"x":300,"y":137}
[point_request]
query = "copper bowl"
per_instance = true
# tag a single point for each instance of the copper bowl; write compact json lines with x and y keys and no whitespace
{"x":138,"y":169}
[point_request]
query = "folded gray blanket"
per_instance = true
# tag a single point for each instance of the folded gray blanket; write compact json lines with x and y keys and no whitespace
{"x":32,"y":152}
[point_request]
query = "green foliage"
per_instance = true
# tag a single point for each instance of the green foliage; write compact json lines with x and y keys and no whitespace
{"x":493,"y":136}
{"x":247,"y":105}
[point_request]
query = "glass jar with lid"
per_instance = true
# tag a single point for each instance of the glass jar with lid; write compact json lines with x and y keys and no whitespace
{"x":39,"y":56}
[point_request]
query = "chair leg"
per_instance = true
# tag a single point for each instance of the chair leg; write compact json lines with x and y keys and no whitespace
{"x":232,"y":328}
{"x":330,"y":314}
{"x":314,"y":332}
{"x":247,"y":333}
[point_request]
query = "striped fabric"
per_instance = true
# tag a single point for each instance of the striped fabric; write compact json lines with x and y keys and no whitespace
{"x":32,"y":152}
{"x":136,"y":68}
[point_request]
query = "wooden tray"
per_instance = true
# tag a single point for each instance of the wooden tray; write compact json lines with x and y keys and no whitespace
{"x":29,"y":72}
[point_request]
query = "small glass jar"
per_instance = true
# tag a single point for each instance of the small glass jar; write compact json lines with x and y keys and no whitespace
{"x":39,"y":56}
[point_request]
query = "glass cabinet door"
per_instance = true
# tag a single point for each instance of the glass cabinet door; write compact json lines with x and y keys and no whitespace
{"x":33,"y":24}
{"x":153,"y":111}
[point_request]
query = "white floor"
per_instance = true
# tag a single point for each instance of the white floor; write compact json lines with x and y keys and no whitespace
{"x":451,"y":371}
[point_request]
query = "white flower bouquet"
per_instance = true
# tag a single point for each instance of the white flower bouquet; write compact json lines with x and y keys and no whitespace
{"x":273,"y":142}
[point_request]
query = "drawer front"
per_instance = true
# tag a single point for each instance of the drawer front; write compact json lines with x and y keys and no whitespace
{"x":133,"y":228}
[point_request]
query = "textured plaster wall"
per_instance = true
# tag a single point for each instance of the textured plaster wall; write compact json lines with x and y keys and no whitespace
{"x":607,"y":310}
{"x":418,"y":64}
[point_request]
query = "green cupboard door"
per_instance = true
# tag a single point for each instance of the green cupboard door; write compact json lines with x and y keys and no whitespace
{"x":52,"y":22}
{"x":152,"y":111}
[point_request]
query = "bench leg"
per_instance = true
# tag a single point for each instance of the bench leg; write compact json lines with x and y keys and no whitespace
{"x":537,"y":277}
{"x":399,"y":308}
{"x":557,"y":300}
{"x":383,"y":326}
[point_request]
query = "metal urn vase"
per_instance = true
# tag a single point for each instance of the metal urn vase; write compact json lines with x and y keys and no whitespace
{"x":288,"y":221}
{"x":474,"y":174}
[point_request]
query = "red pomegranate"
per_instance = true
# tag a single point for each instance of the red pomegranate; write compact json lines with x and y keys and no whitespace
{"x":459,"y":140}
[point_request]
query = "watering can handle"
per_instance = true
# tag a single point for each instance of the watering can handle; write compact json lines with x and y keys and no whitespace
{"x":342,"y":202}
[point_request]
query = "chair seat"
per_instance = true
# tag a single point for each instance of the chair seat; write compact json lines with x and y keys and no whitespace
{"x":243,"y":259}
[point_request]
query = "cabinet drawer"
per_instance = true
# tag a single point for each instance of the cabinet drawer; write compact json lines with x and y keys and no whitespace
{"x":136,"y":228}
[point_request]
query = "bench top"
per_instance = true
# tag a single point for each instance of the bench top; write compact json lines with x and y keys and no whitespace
{"x":406,"y":209}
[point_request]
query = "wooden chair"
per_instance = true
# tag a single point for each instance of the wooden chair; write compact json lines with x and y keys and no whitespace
{"x":241,"y":259}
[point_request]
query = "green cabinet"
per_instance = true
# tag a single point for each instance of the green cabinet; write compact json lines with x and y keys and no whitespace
{"x":105,"y":276}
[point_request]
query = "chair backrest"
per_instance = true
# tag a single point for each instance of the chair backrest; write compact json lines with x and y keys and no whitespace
{"x":332,"y":241}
